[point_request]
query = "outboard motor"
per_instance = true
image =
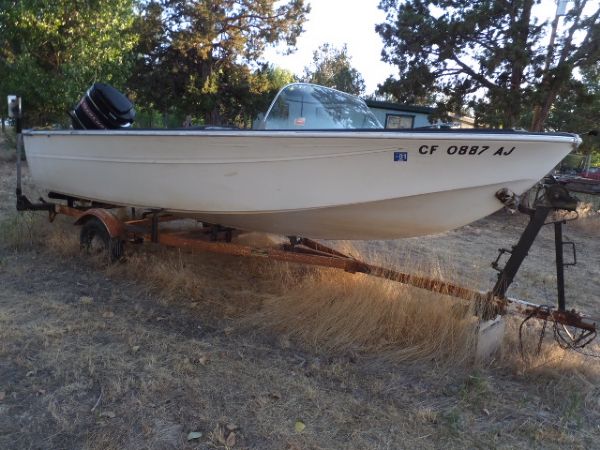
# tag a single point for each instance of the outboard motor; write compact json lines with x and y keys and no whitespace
{"x":101,"y":108}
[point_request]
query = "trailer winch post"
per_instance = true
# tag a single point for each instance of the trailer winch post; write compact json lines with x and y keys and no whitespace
{"x":519,"y":252}
{"x":553,"y":197}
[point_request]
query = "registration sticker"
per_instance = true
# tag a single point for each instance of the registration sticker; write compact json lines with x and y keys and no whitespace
{"x":400,"y":156}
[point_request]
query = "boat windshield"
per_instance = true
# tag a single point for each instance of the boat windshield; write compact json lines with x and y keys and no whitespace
{"x":312,"y":107}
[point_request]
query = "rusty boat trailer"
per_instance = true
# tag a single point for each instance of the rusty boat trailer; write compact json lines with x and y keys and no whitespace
{"x":99,"y":222}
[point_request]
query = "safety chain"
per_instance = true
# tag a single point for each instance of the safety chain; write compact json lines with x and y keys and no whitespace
{"x":564,"y":338}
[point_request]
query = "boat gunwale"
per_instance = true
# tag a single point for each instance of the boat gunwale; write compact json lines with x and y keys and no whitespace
{"x":371,"y":133}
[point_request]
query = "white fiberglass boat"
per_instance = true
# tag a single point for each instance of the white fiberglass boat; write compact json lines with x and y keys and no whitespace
{"x":321,"y":167}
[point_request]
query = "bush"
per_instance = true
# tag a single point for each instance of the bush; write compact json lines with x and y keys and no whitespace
{"x":8,"y":139}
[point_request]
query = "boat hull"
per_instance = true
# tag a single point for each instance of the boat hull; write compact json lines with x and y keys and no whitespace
{"x":334,"y":185}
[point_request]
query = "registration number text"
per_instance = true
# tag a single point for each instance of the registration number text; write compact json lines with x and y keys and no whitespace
{"x":471,"y":150}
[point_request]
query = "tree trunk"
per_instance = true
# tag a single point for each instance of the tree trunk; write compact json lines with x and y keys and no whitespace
{"x":542,"y":111}
{"x":213,"y":117}
{"x":520,"y":34}
{"x":552,"y":82}
{"x":551,"y":86}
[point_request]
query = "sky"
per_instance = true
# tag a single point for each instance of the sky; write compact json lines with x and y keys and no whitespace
{"x":352,"y":22}
{"x":340,"y":22}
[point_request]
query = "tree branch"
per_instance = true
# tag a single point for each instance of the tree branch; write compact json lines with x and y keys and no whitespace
{"x":447,"y":72}
{"x":567,"y":44}
{"x":483,"y":80}
{"x":579,"y":54}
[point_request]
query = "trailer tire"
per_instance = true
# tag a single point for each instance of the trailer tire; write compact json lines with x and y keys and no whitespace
{"x":94,"y":239}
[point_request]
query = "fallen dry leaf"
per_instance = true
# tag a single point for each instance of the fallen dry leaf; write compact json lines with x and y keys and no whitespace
{"x":194,"y":435}
{"x":219,"y":435}
{"x":230,"y":442}
{"x":231,"y":427}
{"x":108,"y":314}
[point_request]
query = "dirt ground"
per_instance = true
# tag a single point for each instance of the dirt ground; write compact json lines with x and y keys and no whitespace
{"x":100,"y":358}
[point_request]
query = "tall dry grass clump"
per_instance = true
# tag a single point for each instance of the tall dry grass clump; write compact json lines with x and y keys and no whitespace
{"x":333,"y":311}
{"x":18,"y":230}
{"x":522,"y":350}
{"x":216,"y":286}
{"x":323,"y":310}
{"x":27,"y":229}
{"x":556,"y":370}
{"x":588,"y":218}
{"x":63,"y":237}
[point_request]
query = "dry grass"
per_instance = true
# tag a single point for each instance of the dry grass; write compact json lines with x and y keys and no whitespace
{"x":21,"y":230}
{"x":322,"y":310}
{"x":167,"y":336}
{"x":222,"y":287}
{"x":568,"y":381}
{"x":332,"y":311}
{"x":326,"y":311}
{"x":588,"y":209}
{"x":588,"y":219}
{"x":551,"y":359}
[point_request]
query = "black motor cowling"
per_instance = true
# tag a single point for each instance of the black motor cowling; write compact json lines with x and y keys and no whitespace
{"x":103,"y":107}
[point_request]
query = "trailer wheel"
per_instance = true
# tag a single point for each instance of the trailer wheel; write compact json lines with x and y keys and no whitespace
{"x":94,"y":239}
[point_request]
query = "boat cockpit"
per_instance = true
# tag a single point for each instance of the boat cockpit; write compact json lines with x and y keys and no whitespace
{"x":304,"y":106}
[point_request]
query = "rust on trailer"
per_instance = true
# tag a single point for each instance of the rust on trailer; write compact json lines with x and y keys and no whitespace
{"x":148,"y":220}
{"x":181,"y":241}
{"x":114,"y":225}
{"x":327,"y":257}
{"x":66,"y":210}
{"x":307,"y":251}
{"x":570,"y":318}
{"x":320,"y":247}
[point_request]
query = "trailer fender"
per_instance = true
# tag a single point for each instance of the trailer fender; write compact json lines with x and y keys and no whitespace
{"x":114,"y":226}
